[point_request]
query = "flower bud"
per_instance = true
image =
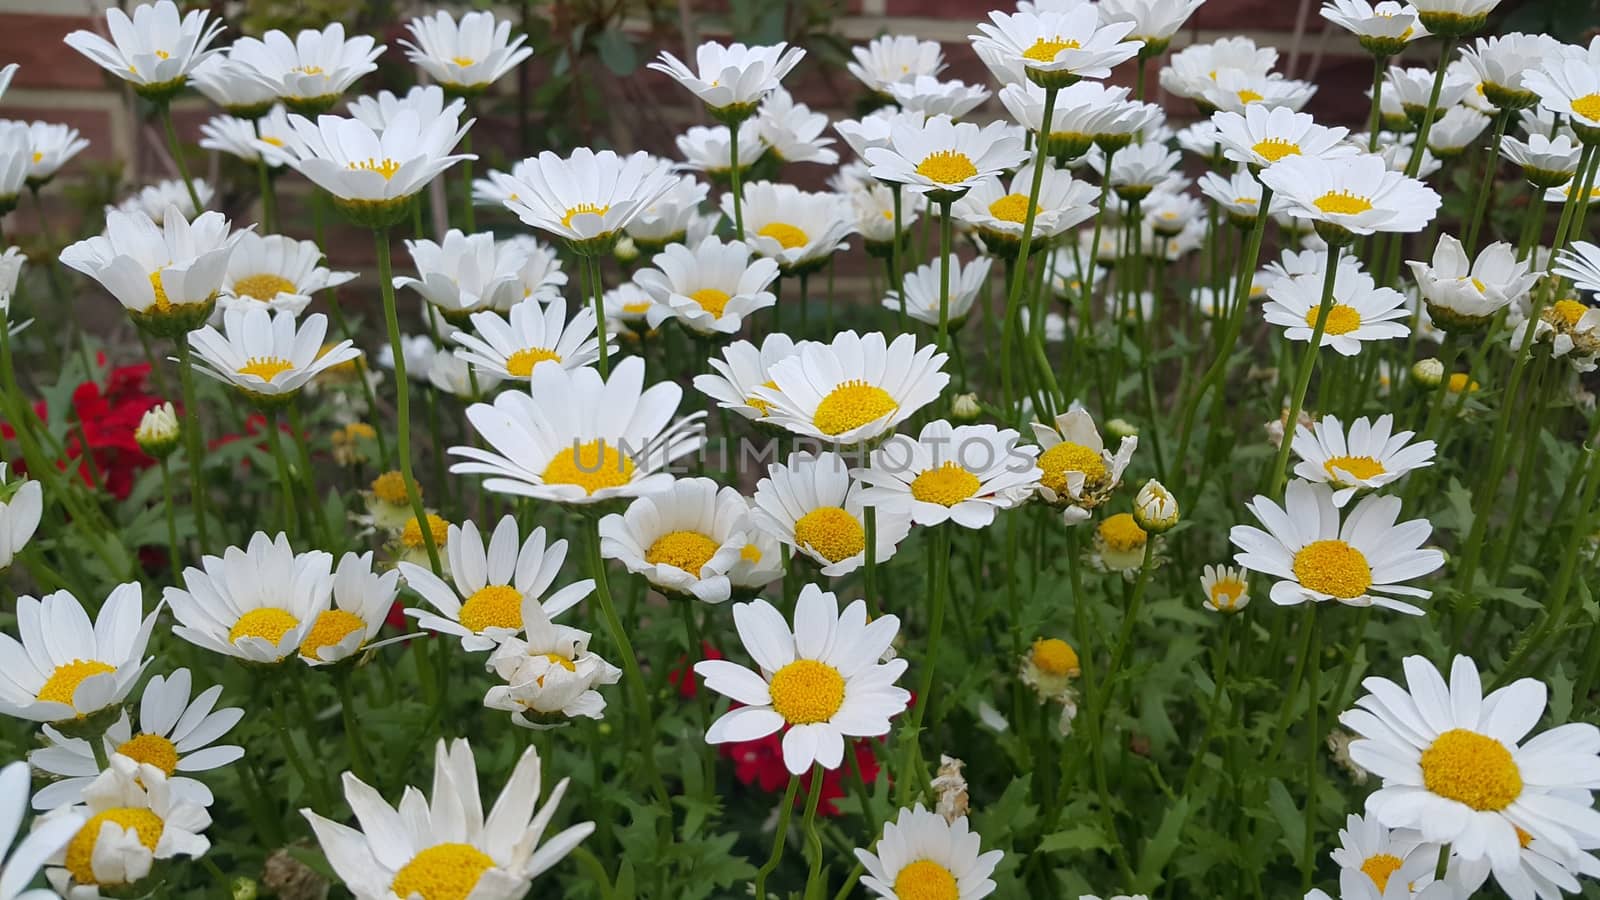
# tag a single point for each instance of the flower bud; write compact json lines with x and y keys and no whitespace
{"x":1155,"y":509}
{"x":965,"y":408}
{"x":158,"y":432}
{"x":244,"y":889}
{"x":1427,"y":372}
{"x":626,"y":250}
{"x":1121,"y":428}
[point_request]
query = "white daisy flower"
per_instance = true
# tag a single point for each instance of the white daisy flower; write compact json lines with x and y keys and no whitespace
{"x":705,"y":149}
{"x":1453,"y":17}
{"x":48,"y":835}
{"x":626,"y":305}
{"x":584,"y":440}
{"x":810,"y":503}
{"x":944,"y":159}
{"x":1371,"y":455}
{"x":512,"y":346}
{"x":793,"y":131}
{"x":1412,"y":89}
{"x":999,"y":210}
{"x":921,"y":290}
{"x":683,"y":540}
{"x":1579,"y":260}
{"x":873,"y":206}
{"x":742,"y":369}
{"x":465,"y":274}
{"x":1383,"y":29}
{"x":154,"y":51}
{"x":277,"y":273}
{"x":1235,"y":91}
{"x":1237,"y":195}
{"x":587,"y":198}
{"x":62,"y":667}
{"x":1384,"y":857}
{"x":964,"y":474}
{"x":445,"y":843}
{"x":1226,"y":588}
{"x":427,"y":101}
{"x":267,"y":356}
{"x":1542,"y":871}
{"x":1316,"y":558}
{"x":232,"y":86}
{"x":886,"y":60}
{"x":11,"y":263}
{"x":1457,"y":765}
{"x":667,"y":220}
{"x":1056,"y":49}
{"x":175,"y":735}
{"x":1569,"y":86}
{"x":132,"y":818}
{"x":154,"y":200}
{"x":1456,"y":130}
{"x":54,"y":145}
{"x":819,"y":682}
{"x":1078,"y":474}
{"x":798,"y":229}
{"x":21,"y":505}
{"x":732,"y":78}
{"x":1360,"y":310}
{"x":551,"y":676}
{"x":922,"y":855}
{"x":6,"y":72}
{"x":1195,"y":68}
{"x":242,"y":138}
{"x":1260,"y":136}
{"x":1137,"y":170}
{"x":1502,"y":61}
{"x":1467,"y":294}
{"x":468,"y":56}
{"x":448,"y":372}
{"x":167,"y":276}
{"x":495,"y":581}
{"x":873,"y":129}
{"x":310,"y":72}
{"x":1560,"y":195}
{"x":361,"y":602}
{"x":709,"y":289}
{"x":1154,"y":21}
{"x":257,"y":604}
{"x":855,"y":388}
{"x":1546,"y":162}
{"x":932,"y":97}
{"x":1083,"y":111}
{"x":540,"y":273}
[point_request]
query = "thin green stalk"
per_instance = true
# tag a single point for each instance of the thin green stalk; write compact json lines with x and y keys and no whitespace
{"x":738,"y":199}
{"x":1414,"y":165}
{"x":870,"y":586}
{"x":911,"y":773}
{"x":165,"y":112}
{"x":779,"y":836}
{"x":945,"y":229}
{"x":1308,"y":362}
{"x":285,"y":474}
{"x":171,"y":510}
{"x":1019,"y":276}
{"x":192,"y":444}
{"x":1375,"y":118}
{"x":1308,"y":857}
{"x":359,"y":759}
{"x":809,"y":828}
{"x":1486,"y":182}
{"x":597,"y":290}
{"x":269,"y":200}
{"x":468,"y":214}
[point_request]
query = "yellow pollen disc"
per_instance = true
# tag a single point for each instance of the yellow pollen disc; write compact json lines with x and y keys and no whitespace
{"x":1055,"y":656}
{"x":151,"y":749}
{"x":686,"y":550}
{"x":262,"y":287}
{"x":557,"y":659}
{"x":266,"y":622}
{"x":1471,"y":768}
{"x":851,"y":405}
{"x":64,"y":681}
{"x":330,"y":628}
{"x":492,"y":606}
{"x":1459,"y":382}
{"x":309,"y":70}
{"x":390,"y":487}
{"x":947,"y":167}
{"x":385,"y":167}
{"x":1069,"y":457}
{"x":581,"y":209}
{"x":1342,"y":319}
{"x":787,"y":236}
{"x":1569,"y":311}
{"x":592,"y":466}
{"x":1011,"y":208}
{"x":1248,"y":96}
{"x":1334,"y":568}
{"x":463,"y":61}
{"x":162,"y":54}
{"x":831,"y":532}
{"x":926,"y":880}
{"x":1226,"y":592}
{"x":1246,"y":201}
{"x":1587,"y":106}
{"x":806,"y":692}
{"x":1045,"y":50}
{"x":38,"y":157}
{"x":945,"y":485}
{"x":1342,"y":203}
{"x":636,"y":308}
{"x":1379,"y":867}
{"x":442,"y":872}
{"x":1358,"y":466}
{"x":759,"y":403}
{"x":711,"y":300}
{"x":750,"y":553}
{"x":1274,"y":149}
{"x":265,"y":367}
{"x":80,"y":850}
{"x":1523,"y":837}
{"x":1121,"y":533}
{"x":276,"y":142}
{"x":411,"y":535}
{"x":163,"y":303}
{"x":1480,"y":286}
{"x":521,"y":363}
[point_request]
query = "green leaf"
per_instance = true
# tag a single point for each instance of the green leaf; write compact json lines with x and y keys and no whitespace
{"x":1087,"y":836}
{"x":1288,"y":815}
{"x":1159,"y":848}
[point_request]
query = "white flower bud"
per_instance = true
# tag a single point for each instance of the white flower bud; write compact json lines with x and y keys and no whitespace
{"x":1155,"y":509}
{"x":158,"y":431}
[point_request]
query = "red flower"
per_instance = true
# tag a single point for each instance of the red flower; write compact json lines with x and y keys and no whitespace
{"x":684,"y":677}
{"x":760,"y":762}
{"x":108,"y":417}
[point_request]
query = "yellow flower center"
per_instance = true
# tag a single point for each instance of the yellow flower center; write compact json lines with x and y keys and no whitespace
{"x":80,"y":850}
{"x":265,"y":367}
{"x":442,"y":872}
{"x":1248,"y":96}
{"x":1226,"y":592}
{"x":592,"y":466}
{"x":1587,"y":106}
{"x":385,"y":167}
{"x":1379,"y":867}
{"x":1069,"y":457}
{"x":759,"y":403}
{"x":38,"y":157}
{"x":162,"y":54}
{"x":1045,"y":50}
{"x":686,"y":550}
{"x":163,"y":303}
{"x":926,"y":880}
{"x":152,"y":750}
{"x":1122,"y":534}
{"x":851,"y":405}
{"x":831,"y":532}
{"x":266,"y":622}
{"x":463,"y":61}
{"x":582,"y":209}
{"x":1569,"y":311}
{"x":1342,"y":319}
{"x":636,"y":308}
{"x":711,"y":300}
{"x":1274,"y":149}
{"x":308,"y":70}
{"x":946,"y":485}
{"x":806,"y":692}
{"x":1055,"y":656}
{"x":947,"y":167}
{"x":1246,"y":201}
{"x":750,"y":553}
{"x":331,"y":627}
{"x":269,"y":139}
{"x":521,"y":363}
{"x":63,"y":682}
{"x":1334,"y":568}
{"x":262,"y":287}
{"x":492,"y":606}
{"x":787,"y":236}
{"x":1479,"y":285}
{"x":1358,"y":466}
{"x":390,"y":487}
{"x":1458,"y":382}
{"x":1471,"y":768}
{"x":1011,"y":208}
{"x":1342,"y":203}
{"x":411,"y":535}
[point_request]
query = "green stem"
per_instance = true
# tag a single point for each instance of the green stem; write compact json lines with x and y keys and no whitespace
{"x":597,"y":291}
{"x":911,"y":773}
{"x":1375,"y":118}
{"x":269,"y":200}
{"x":814,"y":840}
{"x":1308,"y":858}
{"x":165,"y":111}
{"x":1308,"y":362}
{"x":945,"y":229}
{"x":1414,"y":165}
{"x":738,"y":201}
{"x":192,"y":445}
{"x":171,"y":510}
{"x":1014,"y":293}
{"x":285,"y":473}
{"x":780,"y":835}
{"x":1486,"y":182}
{"x":359,"y":759}
{"x":468,"y":214}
